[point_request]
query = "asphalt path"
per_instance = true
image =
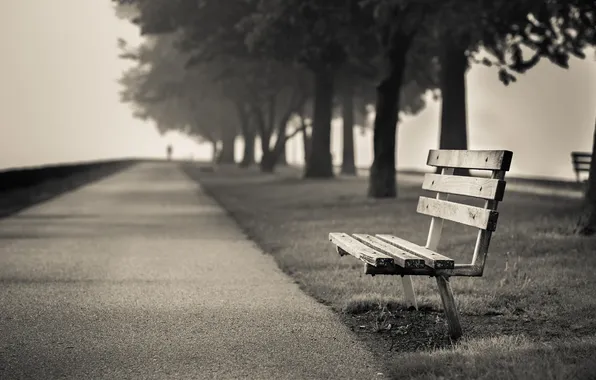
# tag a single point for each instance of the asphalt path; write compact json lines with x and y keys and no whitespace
{"x":143,"y":276}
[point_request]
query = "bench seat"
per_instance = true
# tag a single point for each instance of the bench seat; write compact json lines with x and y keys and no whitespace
{"x":391,"y":255}
{"x":389,"y":251}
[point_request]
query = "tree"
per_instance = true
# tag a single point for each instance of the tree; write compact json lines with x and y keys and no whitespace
{"x":356,"y":93}
{"x":248,"y":134}
{"x":268,"y":94}
{"x":211,"y":33}
{"x":348,"y":165}
{"x":308,"y":33}
{"x":397,"y":24}
{"x":453,"y":125}
{"x":315,"y":35}
{"x":324,"y":38}
{"x":283,"y":93}
{"x":516,"y":35}
{"x":161,"y":89}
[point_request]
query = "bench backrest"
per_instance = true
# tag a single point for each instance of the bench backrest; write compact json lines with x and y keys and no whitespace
{"x":581,"y":161}
{"x":491,"y":190}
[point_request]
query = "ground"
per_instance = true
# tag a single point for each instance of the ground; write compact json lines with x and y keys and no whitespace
{"x":142,"y":276}
{"x":529,"y":316}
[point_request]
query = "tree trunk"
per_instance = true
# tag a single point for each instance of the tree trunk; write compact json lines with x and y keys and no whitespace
{"x":282,"y":159}
{"x":454,"y":64}
{"x":268,"y":161}
{"x":587,"y":222}
{"x":264,"y":126}
{"x":382,"y":180}
{"x":227,"y":146}
{"x":305,"y":136}
{"x":319,"y":163}
{"x":271,"y":157}
{"x":306,"y":143}
{"x":215,"y":154}
{"x":248,"y":135}
{"x":274,"y":156}
{"x":348,"y":166}
{"x":248,"y":156}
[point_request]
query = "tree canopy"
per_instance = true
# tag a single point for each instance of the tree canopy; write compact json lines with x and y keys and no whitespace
{"x":259,"y":54}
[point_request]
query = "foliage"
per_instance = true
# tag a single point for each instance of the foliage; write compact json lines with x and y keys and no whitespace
{"x":514,"y":36}
{"x":161,"y":89}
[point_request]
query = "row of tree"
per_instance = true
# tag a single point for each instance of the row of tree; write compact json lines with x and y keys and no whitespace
{"x":218,"y":68}
{"x":267,"y":103}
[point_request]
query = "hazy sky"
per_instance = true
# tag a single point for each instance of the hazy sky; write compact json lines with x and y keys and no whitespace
{"x":60,"y":101}
{"x":59,"y":95}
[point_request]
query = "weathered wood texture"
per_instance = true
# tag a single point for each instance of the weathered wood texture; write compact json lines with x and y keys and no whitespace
{"x":431,"y":258}
{"x":484,"y":188}
{"x":471,"y":159}
{"x":478,"y":217}
{"x":363,"y":252}
{"x":401,"y":257}
{"x":460,"y":270}
{"x":409,"y":293}
{"x":436,"y":224}
{"x":451,"y":313}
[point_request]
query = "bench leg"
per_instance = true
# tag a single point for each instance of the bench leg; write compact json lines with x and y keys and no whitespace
{"x":449,"y":306}
{"x":409,"y":291}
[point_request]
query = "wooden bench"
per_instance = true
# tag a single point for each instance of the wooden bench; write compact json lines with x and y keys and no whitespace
{"x":391,"y":255}
{"x":581,"y":163}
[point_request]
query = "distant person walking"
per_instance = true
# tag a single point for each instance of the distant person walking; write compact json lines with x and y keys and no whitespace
{"x":169,"y":152}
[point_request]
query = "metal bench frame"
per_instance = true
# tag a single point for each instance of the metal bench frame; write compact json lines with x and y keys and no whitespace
{"x":391,"y":255}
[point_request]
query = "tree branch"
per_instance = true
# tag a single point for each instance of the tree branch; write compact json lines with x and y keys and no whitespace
{"x":296,"y":131}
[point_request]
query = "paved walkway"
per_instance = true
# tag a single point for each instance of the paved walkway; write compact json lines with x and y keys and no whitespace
{"x":142,"y":276}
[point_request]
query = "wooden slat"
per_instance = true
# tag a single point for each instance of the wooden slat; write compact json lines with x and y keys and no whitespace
{"x":359,"y":250}
{"x":582,"y":163}
{"x":484,"y":188}
{"x":431,"y":258}
{"x":485,"y":219}
{"x":581,"y":154}
{"x":581,"y":166}
{"x":582,"y":160}
{"x":463,"y":270}
{"x":471,"y":159}
{"x":401,"y":257}
{"x":582,"y":169}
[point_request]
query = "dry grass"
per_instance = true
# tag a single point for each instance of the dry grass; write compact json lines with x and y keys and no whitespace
{"x":530,"y":315}
{"x":506,"y":357}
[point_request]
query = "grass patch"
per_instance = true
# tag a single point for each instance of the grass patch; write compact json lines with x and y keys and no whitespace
{"x":506,"y":357}
{"x":533,"y":305}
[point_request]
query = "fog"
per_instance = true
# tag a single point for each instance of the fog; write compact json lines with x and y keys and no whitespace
{"x":60,"y":101}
